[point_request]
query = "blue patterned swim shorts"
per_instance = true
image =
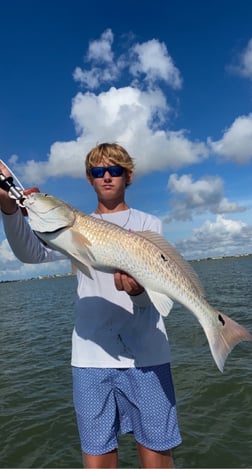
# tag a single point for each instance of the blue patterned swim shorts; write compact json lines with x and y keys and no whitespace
{"x":110,"y":401}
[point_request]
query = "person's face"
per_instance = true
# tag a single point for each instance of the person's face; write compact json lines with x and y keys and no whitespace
{"x":110,"y":187}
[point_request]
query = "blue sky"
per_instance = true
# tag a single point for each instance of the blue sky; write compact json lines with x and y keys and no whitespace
{"x":169,"y":80}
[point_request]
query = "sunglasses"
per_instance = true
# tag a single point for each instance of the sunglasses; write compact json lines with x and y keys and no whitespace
{"x":99,"y":171}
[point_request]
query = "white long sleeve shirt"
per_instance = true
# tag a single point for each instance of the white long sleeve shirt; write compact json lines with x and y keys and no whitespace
{"x":112,"y":329}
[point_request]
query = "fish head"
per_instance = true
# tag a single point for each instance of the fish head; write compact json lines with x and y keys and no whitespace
{"x":47,"y":213}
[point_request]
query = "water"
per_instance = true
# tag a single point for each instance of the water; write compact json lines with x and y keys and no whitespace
{"x":37,"y":421}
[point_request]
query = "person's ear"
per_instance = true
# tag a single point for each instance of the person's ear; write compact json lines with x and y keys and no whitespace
{"x":90,"y":180}
{"x":129,"y":177}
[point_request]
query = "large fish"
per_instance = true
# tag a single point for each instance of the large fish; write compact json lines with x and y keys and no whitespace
{"x":146,"y":256}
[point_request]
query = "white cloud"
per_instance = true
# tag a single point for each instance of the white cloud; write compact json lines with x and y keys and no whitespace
{"x":221,"y":237}
{"x":190,"y":198}
{"x":23,"y":271}
{"x":146,"y":63}
{"x":12,"y":269}
{"x":153,"y":60}
{"x":129,"y":116}
{"x":243,"y":65}
{"x":236,"y":143}
{"x":136,"y":115}
{"x":101,"y":50}
{"x":103,"y":67}
{"x":7,"y":256}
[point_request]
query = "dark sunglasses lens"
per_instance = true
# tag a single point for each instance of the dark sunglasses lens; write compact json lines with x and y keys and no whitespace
{"x":115,"y":171}
{"x":99,"y":171}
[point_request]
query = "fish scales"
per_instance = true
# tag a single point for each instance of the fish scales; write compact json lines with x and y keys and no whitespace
{"x":146,"y":256}
{"x":132,"y":253}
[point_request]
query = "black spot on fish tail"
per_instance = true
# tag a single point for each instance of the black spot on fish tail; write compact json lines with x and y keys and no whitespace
{"x":221,"y":320}
{"x":163,"y":257}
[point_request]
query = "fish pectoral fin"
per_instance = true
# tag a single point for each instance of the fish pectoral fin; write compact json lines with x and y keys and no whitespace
{"x":82,"y":245}
{"x":80,"y":253}
{"x":161,"y":302}
{"x":79,"y":239}
{"x":82,"y":267}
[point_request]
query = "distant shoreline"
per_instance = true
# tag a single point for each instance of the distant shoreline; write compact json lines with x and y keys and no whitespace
{"x":71,"y":274}
{"x":220,"y":258}
{"x":40,"y":277}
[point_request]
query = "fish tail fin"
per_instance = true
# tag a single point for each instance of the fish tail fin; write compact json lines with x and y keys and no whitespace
{"x":223,"y":337}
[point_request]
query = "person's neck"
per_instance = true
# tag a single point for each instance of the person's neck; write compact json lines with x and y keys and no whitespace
{"x":109,"y":207}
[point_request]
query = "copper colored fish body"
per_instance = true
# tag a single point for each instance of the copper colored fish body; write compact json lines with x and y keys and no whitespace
{"x":146,"y":256}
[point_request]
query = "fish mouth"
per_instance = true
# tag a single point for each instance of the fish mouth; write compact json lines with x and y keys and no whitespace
{"x":37,"y":198}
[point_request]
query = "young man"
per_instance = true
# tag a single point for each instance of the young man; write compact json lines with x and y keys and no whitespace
{"x":120,"y":352}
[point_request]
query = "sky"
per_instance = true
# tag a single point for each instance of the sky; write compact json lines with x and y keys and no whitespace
{"x":171,"y":81}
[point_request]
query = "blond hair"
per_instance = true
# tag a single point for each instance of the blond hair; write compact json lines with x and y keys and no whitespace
{"x":112,"y":153}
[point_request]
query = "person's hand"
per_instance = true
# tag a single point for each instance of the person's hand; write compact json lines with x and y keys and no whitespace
{"x":7,"y":204}
{"x":124,"y":282}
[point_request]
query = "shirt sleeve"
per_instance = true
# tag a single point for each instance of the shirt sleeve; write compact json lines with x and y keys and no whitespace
{"x":24,"y":243}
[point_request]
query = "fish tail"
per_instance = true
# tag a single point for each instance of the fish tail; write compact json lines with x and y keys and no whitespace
{"x":223,"y":337}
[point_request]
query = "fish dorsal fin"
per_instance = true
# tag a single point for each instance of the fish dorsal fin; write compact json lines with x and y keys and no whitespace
{"x":169,"y":251}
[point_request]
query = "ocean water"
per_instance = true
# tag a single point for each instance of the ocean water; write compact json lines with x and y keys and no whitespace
{"x":37,"y":421}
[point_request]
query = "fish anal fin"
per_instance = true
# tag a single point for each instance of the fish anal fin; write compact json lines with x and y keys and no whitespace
{"x":161,"y":302}
{"x":169,"y":251}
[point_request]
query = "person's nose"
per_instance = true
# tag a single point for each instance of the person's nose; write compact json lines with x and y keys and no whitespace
{"x":107,"y":175}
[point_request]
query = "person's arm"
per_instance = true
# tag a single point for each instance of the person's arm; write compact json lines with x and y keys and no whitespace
{"x":24,"y":243}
